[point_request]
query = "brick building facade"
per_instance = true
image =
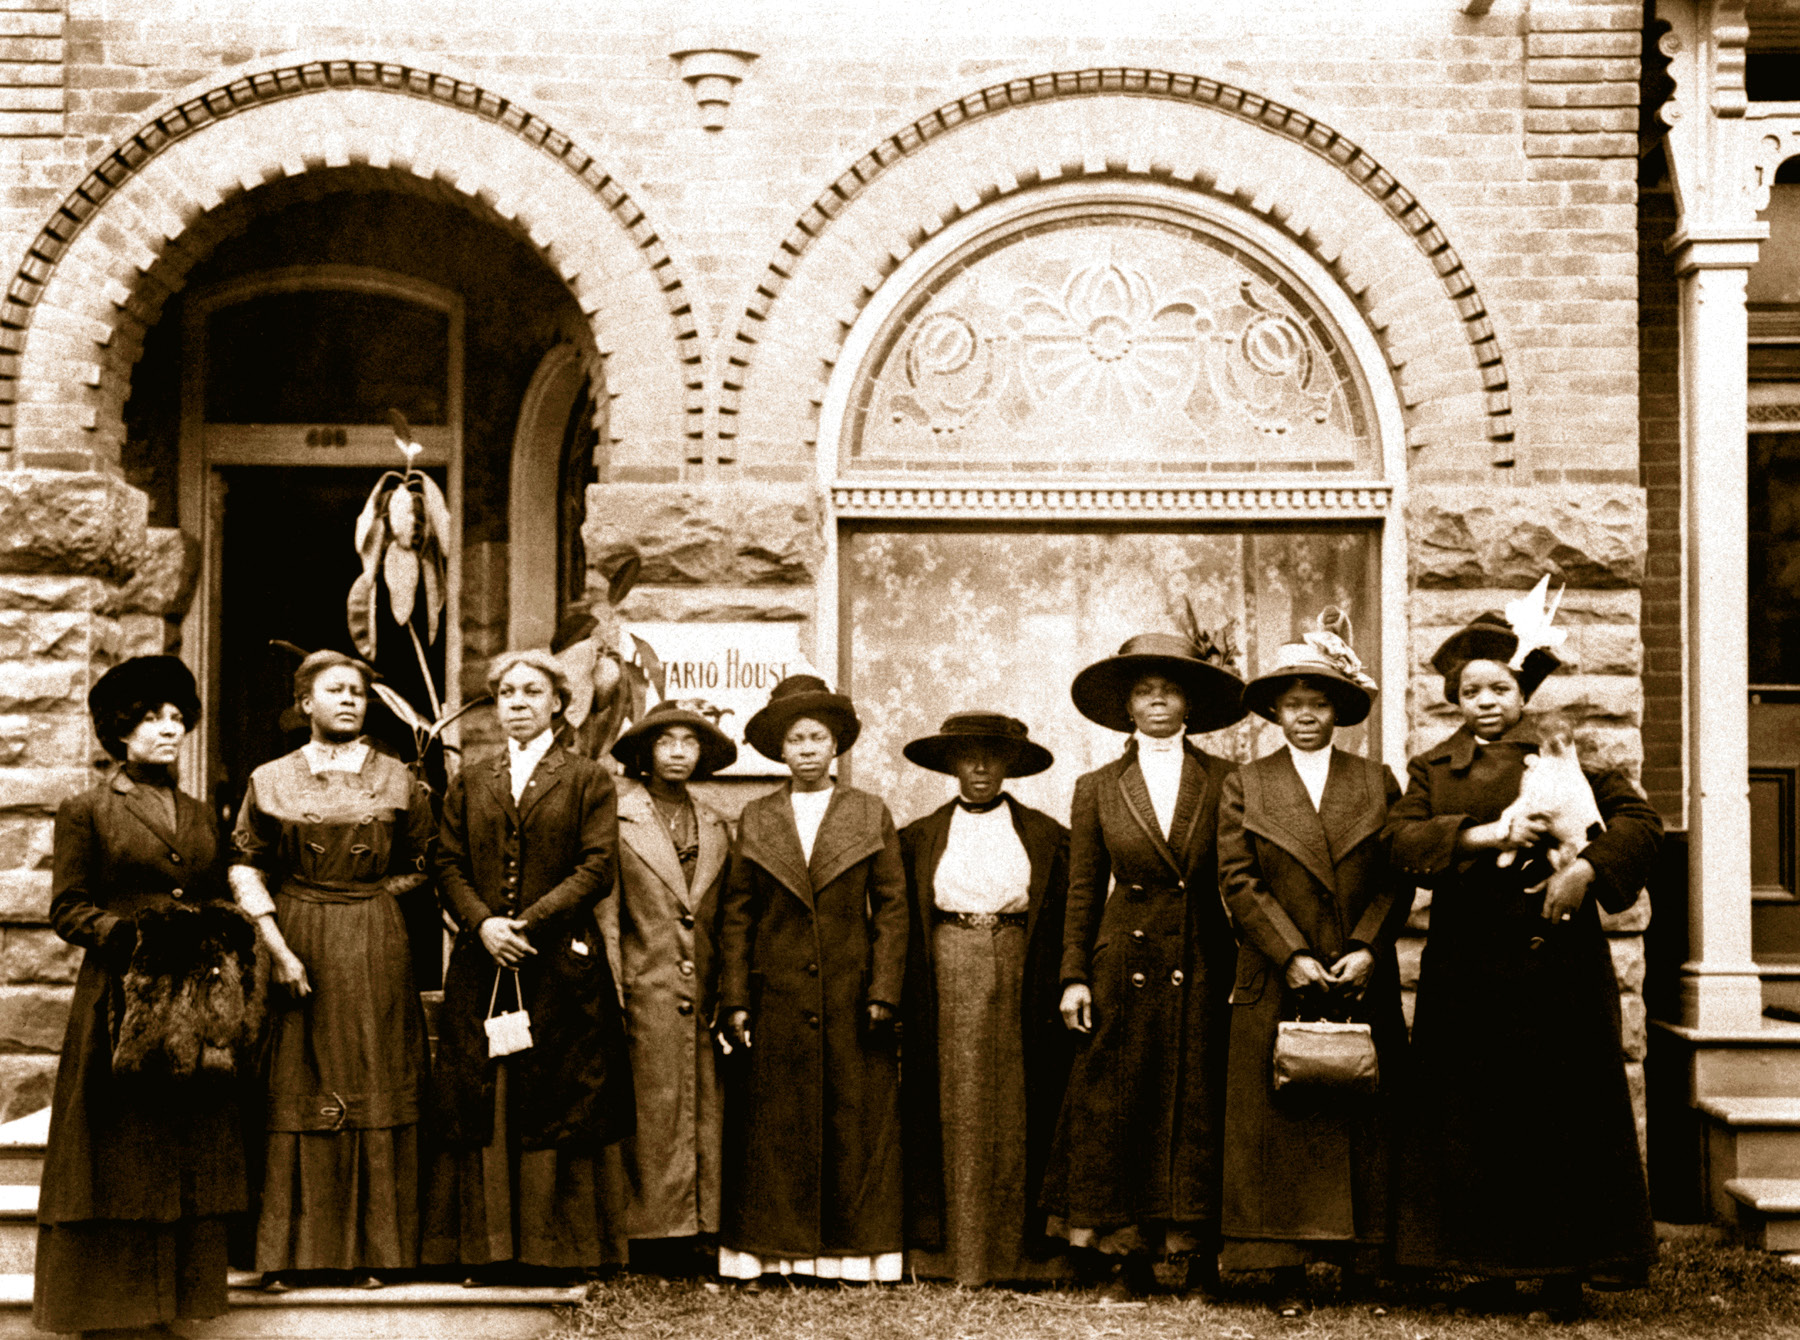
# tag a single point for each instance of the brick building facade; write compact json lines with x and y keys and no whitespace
{"x":1351,"y":303}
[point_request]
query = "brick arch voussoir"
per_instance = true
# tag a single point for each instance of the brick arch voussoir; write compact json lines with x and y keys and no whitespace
{"x":73,"y":316}
{"x":1422,"y":368}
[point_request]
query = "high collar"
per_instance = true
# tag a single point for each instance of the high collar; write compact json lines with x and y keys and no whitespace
{"x":321,"y":757}
{"x":532,"y":752}
{"x":149,"y":774}
{"x":1460,"y":749}
{"x":969,"y":807}
{"x":1167,"y":745}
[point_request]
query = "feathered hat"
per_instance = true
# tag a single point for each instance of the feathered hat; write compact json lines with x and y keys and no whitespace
{"x":1521,"y":639}
{"x":1323,"y":656}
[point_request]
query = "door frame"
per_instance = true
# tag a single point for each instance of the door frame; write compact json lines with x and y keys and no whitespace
{"x":204,"y":449}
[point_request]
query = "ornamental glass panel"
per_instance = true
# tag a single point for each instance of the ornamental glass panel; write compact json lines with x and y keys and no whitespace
{"x":1124,"y":340}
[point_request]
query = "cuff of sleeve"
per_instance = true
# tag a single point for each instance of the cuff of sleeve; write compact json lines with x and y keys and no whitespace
{"x":109,"y":929}
{"x":251,"y":896}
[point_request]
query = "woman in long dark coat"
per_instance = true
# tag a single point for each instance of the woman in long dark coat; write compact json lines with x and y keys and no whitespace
{"x":986,"y":1054}
{"x":139,"y":1178}
{"x":1146,"y":970}
{"x":812,"y":951}
{"x":672,"y":852}
{"x":526,"y":852}
{"x":1305,"y":875}
{"x":329,"y":838}
{"x":1521,"y":1157}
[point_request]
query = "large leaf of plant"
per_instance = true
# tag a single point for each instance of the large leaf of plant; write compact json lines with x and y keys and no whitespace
{"x":401,"y":708}
{"x":431,"y":560}
{"x":437,"y":511}
{"x":653,"y":666}
{"x":623,"y":579}
{"x":361,"y":614}
{"x":400,"y":568}
{"x":578,"y":666}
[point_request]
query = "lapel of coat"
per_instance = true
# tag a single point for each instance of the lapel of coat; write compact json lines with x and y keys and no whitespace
{"x":1353,"y":808}
{"x":1040,"y":855}
{"x":715,"y":846}
{"x":1137,"y":801}
{"x":641,"y":828}
{"x":1277,"y":809}
{"x":499,"y":780}
{"x":768,"y":836}
{"x":934,"y":830}
{"x":844,"y":839}
{"x":148,"y":814}
{"x":1190,"y":804}
{"x":548,"y":775}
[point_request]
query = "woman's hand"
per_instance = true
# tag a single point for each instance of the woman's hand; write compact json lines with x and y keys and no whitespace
{"x":1304,"y":972}
{"x":734,"y":1032}
{"x":1078,"y":1008}
{"x":1503,"y":834}
{"x":288,"y":970}
{"x":1566,"y":890}
{"x":504,"y":939}
{"x":1350,"y":974}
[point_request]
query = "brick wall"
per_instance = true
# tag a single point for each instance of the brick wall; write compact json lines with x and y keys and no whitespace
{"x":1659,"y":375}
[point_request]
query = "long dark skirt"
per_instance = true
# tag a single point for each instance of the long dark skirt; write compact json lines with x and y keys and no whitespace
{"x":118,"y":1273}
{"x":560,"y":1208}
{"x":981,"y":1085}
{"x":346,"y":1078}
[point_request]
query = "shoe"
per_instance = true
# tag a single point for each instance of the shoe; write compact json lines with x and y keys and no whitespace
{"x":1488,"y":1295}
{"x":276,"y":1282}
{"x":1562,"y":1299}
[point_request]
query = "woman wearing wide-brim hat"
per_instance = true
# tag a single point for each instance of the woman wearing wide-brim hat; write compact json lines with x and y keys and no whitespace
{"x":987,"y":1056}
{"x":1305,"y":875}
{"x":1516,"y":1024}
{"x":141,"y":1172}
{"x":812,"y":951}
{"x":664,"y":927}
{"x":1146,"y":968}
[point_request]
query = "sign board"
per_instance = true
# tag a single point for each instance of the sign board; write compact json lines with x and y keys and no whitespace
{"x":730,"y":666}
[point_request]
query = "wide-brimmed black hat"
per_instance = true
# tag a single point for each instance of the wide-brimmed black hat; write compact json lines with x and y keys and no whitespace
{"x":802,"y":696}
{"x":142,"y":681}
{"x":1103,"y":690}
{"x":716,"y":747}
{"x":1336,"y":679}
{"x":938,"y":752}
{"x":1489,"y":637}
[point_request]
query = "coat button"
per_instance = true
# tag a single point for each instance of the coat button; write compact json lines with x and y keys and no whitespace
{"x":812,"y":970}
{"x":685,"y":967}
{"x":812,"y":1020}
{"x":174,"y":858}
{"x":1137,"y":979}
{"x":1137,"y":888}
{"x":1138,"y":936}
{"x":687,"y":922}
{"x":1176,"y":977}
{"x":176,"y":893}
{"x":685,"y":1007}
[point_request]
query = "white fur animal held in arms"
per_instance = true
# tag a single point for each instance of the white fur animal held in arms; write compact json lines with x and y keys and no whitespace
{"x":1555,"y":788}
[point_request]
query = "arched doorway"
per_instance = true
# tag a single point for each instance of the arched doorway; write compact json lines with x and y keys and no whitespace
{"x":1085,"y":412}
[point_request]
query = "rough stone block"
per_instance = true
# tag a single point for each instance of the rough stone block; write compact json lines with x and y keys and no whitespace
{"x":67,"y":523}
{"x":25,"y":842}
{"x":1634,"y":920}
{"x":1628,"y":961}
{"x":24,"y":897}
{"x":36,"y":592}
{"x":26,"y":1083}
{"x":1607,"y":651}
{"x":40,"y":790}
{"x":701,"y":535}
{"x":62,"y":636}
{"x":141,"y":635}
{"x":47,"y":739}
{"x":683,"y":604}
{"x":42,"y":686}
{"x":164,"y":581}
{"x":1585,"y":536}
{"x":32,"y":1017}
{"x":30,"y":955}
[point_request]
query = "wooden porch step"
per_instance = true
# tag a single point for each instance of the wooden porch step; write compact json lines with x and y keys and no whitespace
{"x":398,"y":1312}
{"x":1754,"y":1111}
{"x":1763,"y":1062}
{"x":1768,"y":1211}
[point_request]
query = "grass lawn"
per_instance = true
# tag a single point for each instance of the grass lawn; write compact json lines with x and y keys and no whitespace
{"x":1698,"y":1289}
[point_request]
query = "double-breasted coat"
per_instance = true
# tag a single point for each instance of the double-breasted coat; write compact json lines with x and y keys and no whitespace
{"x":547,"y":860}
{"x":664,"y":921}
{"x":813,"y":1150}
{"x":1047,"y":1043}
{"x":120,"y":1149}
{"x":1300,"y":880}
{"x":1520,"y":1153}
{"x":1138,"y":1140}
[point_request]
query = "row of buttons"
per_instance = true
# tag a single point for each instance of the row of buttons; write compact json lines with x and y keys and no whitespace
{"x":1175,"y":978}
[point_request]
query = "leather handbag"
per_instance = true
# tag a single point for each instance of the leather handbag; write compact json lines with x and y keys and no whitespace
{"x":510,"y":1032}
{"x":1317,"y":1055}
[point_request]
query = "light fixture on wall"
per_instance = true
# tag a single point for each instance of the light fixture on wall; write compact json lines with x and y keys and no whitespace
{"x":713,"y":72}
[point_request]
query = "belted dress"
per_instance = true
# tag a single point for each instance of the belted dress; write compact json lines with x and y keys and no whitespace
{"x":1136,"y":1163}
{"x":338,"y":847}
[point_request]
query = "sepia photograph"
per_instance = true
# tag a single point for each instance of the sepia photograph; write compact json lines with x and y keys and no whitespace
{"x":899,"y":669}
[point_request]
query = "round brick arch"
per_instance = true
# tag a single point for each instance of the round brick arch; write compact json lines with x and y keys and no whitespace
{"x":1319,"y":187}
{"x":73,"y":318}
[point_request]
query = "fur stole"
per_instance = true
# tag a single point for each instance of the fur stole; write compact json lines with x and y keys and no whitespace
{"x":194,"y":994}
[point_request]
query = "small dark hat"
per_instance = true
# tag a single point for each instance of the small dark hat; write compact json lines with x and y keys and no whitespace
{"x":716,"y":748}
{"x":149,"y":681}
{"x":1102,"y":692}
{"x":1489,"y":637}
{"x":938,"y":752}
{"x":802,"y":696}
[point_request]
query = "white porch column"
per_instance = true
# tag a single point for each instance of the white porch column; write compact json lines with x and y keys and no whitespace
{"x":1721,"y":990}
